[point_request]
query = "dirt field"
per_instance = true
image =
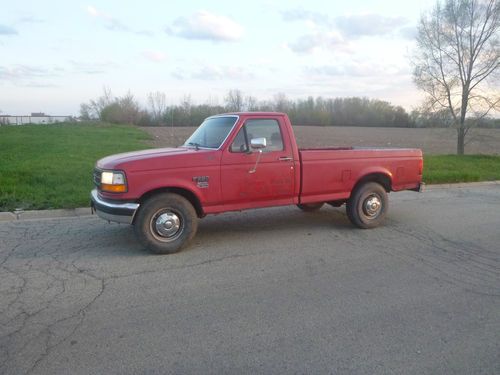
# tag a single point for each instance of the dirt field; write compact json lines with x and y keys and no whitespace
{"x":432,"y":141}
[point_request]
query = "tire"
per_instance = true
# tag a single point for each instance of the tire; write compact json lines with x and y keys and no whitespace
{"x":310,"y":207}
{"x":368,"y":205}
{"x":165,"y":223}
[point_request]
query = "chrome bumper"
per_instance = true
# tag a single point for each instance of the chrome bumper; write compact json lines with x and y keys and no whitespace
{"x":111,"y":211}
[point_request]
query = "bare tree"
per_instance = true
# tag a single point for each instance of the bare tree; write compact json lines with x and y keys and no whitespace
{"x":457,"y":56}
{"x":251,"y":103}
{"x":234,"y":101}
{"x":281,"y":102}
{"x":187,"y":104}
{"x":158,"y":104}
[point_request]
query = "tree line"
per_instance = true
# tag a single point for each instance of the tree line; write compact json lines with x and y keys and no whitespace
{"x":353,"y":111}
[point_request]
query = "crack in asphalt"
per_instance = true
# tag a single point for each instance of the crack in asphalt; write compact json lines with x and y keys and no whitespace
{"x":53,"y":274}
{"x":34,"y":286}
{"x":39,"y":273}
{"x":478,"y":268}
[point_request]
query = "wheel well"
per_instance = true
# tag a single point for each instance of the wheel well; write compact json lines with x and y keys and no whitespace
{"x":193,"y":199}
{"x":380,"y":178}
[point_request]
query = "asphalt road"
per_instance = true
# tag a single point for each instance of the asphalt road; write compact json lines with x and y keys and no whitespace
{"x":265,"y":291}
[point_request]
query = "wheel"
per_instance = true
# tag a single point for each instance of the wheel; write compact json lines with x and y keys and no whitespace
{"x":310,"y":207}
{"x":165,"y":223}
{"x":368,"y":205}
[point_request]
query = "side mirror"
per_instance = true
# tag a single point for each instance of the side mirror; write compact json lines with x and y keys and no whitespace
{"x":258,"y":143}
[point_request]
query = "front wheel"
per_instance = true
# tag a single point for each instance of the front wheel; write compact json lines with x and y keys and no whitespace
{"x":165,"y":223}
{"x":368,"y":205}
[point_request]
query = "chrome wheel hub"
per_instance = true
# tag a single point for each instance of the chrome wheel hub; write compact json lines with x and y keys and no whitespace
{"x":372,"y":206}
{"x":167,"y":224}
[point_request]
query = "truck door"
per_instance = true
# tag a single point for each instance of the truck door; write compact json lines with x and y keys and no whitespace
{"x":270,"y":182}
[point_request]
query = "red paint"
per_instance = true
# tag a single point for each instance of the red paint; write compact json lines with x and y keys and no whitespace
{"x":311,"y":175}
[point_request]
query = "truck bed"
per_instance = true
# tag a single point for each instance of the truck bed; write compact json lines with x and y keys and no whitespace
{"x":329,"y":174}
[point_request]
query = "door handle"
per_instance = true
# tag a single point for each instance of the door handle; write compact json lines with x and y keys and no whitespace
{"x":285,"y":158}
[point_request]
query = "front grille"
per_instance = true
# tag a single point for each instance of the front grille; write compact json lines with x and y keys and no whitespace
{"x":97,"y":177}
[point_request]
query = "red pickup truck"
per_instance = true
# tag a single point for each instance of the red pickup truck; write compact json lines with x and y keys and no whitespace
{"x":239,"y":161}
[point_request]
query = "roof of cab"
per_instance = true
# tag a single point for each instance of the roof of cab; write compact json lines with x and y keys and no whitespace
{"x":251,"y":114}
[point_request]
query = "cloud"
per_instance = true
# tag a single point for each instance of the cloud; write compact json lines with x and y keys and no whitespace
{"x":357,"y":69}
{"x":93,"y":11}
{"x":309,"y":43}
{"x":30,"y":20}
{"x":82,"y":67}
{"x":300,"y":14}
{"x":37,"y":76}
{"x":155,"y":56}
{"x":369,"y":24}
{"x":204,"y":25}
{"x":28,"y":75}
{"x":408,"y":32}
{"x":355,"y":25}
{"x":212,"y":72}
{"x":337,"y":31}
{"x":7,"y":30}
{"x":114,"y":24}
{"x":40,"y":85}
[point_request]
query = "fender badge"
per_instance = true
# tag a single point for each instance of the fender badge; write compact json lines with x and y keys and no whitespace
{"x":201,"y":181}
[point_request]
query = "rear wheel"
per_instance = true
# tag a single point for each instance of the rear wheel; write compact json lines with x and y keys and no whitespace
{"x":310,"y":207}
{"x":165,"y":223}
{"x":368,"y":205}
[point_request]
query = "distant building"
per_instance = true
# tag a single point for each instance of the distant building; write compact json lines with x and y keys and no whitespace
{"x":37,"y":118}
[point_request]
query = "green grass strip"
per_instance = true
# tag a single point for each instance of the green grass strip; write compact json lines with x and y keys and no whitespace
{"x":439,"y":169}
{"x":50,"y":166}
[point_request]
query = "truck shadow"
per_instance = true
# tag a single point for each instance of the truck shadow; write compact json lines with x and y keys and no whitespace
{"x":253,"y":222}
{"x":103,"y":240}
{"x":243,"y":227}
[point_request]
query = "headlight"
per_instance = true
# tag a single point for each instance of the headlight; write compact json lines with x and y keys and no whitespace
{"x":113,"y":182}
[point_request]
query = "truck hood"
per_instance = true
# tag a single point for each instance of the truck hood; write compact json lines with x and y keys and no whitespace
{"x":158,"y":158}
{"x":112,"y":161}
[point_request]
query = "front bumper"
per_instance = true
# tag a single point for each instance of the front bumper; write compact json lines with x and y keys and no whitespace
{"x":113,"y":211}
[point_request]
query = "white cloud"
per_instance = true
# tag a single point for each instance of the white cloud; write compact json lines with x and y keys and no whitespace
{"x":357,"y":69}
{"x":327,"y":32}
{"x":28,"y":75}
{"x":29,"y":19}
{"x":93,"y":11}
{"x":204,"y":25}
{"x":213,"y":72}
{"x":83,"y":67}
{"x":310,"y":43}
{"x":113,"y":23}
{"x":354,"y":25}
{"x":369,"y":24}
{"x":300,"y":14}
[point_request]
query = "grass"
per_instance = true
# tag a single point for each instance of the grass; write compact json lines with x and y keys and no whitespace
{"x":50,"y":166}
{"x":440,"y":169}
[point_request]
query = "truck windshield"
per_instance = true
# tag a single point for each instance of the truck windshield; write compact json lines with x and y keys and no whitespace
{"x":212,"y":132}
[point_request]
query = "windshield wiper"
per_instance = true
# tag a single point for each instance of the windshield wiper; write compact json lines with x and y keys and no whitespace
{"x":196,"y":145}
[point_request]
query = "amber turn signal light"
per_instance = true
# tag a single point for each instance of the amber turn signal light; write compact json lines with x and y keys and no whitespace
{"x":114,"y":188}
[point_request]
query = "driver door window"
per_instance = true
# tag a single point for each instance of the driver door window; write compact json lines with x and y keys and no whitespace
{"x":258,"y":128}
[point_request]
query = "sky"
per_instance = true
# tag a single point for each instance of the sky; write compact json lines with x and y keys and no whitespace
{"x":55,"y":55}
